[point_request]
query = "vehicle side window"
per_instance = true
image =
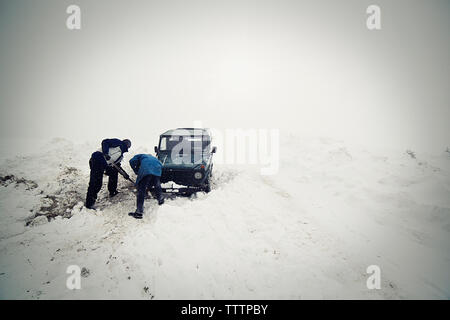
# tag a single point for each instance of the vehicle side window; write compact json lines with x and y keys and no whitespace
{"x":163,"y":144}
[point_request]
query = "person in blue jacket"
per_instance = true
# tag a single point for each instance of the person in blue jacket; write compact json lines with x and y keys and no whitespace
{"x":148,"y":170}
{"x":101,"y":163}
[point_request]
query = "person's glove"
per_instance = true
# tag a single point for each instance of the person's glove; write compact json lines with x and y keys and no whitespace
{"x":107,"y":157}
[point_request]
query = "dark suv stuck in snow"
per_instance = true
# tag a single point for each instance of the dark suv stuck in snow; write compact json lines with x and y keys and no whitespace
{"x":186,"y":155}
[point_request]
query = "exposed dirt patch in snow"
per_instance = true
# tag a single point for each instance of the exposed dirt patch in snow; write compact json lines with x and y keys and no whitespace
{"x":8,"y":179}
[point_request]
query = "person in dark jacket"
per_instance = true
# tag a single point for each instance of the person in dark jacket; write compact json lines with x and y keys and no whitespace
{"x":148,"y":170}
{"x":101,"y":162}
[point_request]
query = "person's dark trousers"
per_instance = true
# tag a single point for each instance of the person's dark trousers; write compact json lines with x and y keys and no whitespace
{"x":147,"y":181}
{"x":113,"y":174}
{"x":97,"y":163}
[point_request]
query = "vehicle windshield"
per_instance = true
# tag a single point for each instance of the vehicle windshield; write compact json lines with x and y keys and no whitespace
{"x":184,"y":149}
{"x":196,"y":144}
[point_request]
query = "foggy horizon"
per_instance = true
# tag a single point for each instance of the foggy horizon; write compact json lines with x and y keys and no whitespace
{"x":138,"y":68}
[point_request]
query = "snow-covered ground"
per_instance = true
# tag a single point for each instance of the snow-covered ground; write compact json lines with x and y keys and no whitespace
{"x":308,"y":232}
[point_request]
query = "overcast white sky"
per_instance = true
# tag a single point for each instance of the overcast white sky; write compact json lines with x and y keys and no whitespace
{"x":137,"y":68}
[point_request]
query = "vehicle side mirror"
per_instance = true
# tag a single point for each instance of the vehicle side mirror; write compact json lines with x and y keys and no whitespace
{"x":156,"y":149}
{"x":214,"y":149}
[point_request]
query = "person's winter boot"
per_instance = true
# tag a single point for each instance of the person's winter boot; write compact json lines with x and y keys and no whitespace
{"x":136,"y":215}
{"x":90,"y":203}
{"x":114,"y":193}
{"x":160,"y":201}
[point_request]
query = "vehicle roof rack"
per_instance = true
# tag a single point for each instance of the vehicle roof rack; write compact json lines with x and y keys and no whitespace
{"x":187,"y":132}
